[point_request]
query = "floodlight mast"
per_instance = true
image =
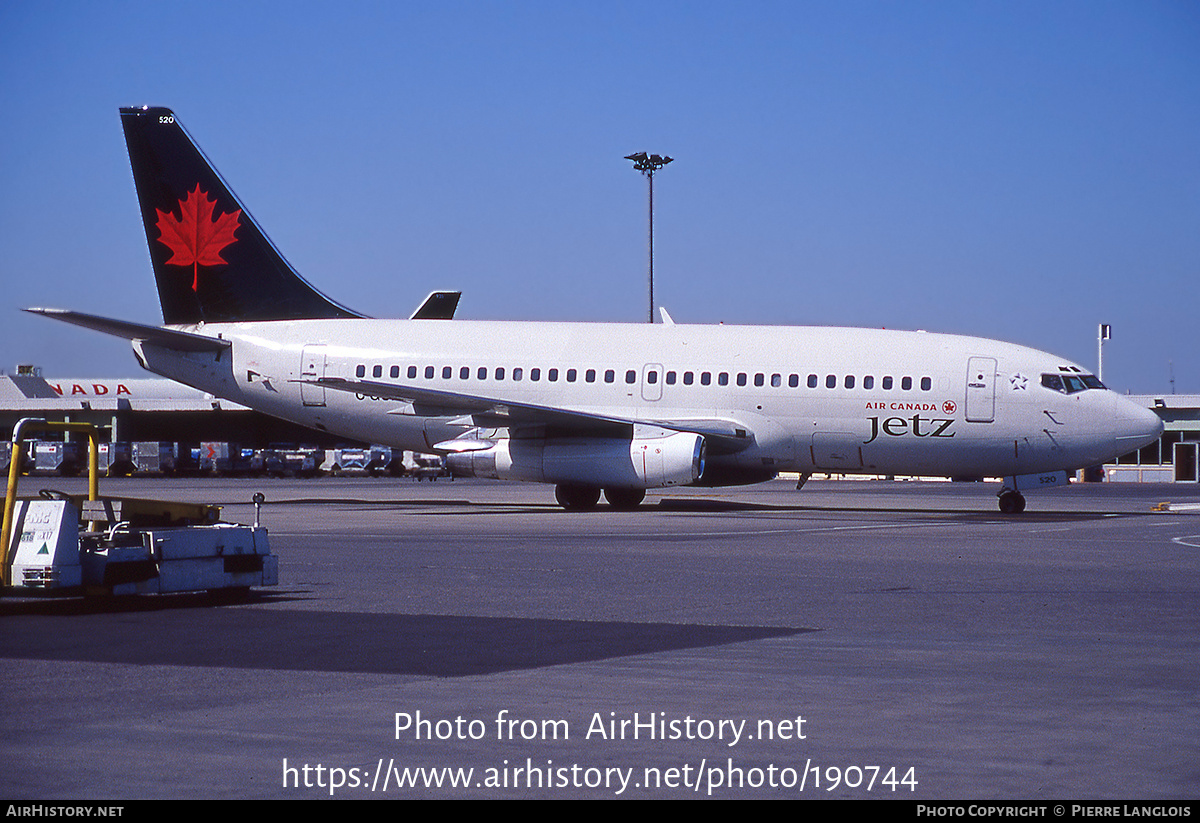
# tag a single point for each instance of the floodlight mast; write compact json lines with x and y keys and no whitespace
{"x":1104,"y":333}
{"x":648,"y":164}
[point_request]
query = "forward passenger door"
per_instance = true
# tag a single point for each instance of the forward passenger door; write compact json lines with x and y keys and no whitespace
{"x":981,"y":390}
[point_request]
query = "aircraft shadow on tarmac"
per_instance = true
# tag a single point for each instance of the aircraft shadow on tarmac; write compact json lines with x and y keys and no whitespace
{"x":432,"y":645}
{"x":959,"y":515}
{"x":702,"y":505}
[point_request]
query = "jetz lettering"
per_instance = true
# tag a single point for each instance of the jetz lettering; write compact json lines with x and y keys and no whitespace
{"x":916,"y":425}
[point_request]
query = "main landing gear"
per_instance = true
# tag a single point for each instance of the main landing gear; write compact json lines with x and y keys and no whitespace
{"x":575,"y":498}
{"x":625,"y":499}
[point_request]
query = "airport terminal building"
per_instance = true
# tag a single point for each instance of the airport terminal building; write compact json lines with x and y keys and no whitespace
{"x":1174,"y":457}
{"x":136,"y":409}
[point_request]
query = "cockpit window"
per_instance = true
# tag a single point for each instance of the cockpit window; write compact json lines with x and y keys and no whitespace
{"x":1070,"y":383}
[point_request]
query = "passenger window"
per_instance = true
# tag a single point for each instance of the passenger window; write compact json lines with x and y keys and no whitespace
{"x":849,"y":382}
{"x":687,"y":378}
{"x":812,"y":381}
{"x":705,"y":378}
{"x":360,"y":371}
{"x":741,"y":378}
{"x":377,"y":371}
{"x":464,"y":373}
{"x":906,"y":384}
{"x":482,"y":373}
{"x":429,"y":372}
{"x":868,"y":382}
{"x":630,"y":377}
{"x":776,"y":380}
{"x":395,"y":372}
{"x":590,"y":375}
{"x":670,"y":378}
{"x":552,"y":375}
{"x":518,"y":373}
{"x":412,"y":372}
{"x":793,"y":381}
{"x":447,"y":372}
{"x":535,"y":374}
{"x":609,"y":375}
{"x":723,"y":379}
{"x":831,"y":381}
{"x":651,"y":377}
{"x":759,"y":379}
{"x":887,"y":383}
{"x":571,"y":375}
{"x":499,"y":372}
{"x":926,"y":383}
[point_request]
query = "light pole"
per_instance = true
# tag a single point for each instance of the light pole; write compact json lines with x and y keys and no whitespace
{"x":1105,"y":333}
{"x":647,"y":164}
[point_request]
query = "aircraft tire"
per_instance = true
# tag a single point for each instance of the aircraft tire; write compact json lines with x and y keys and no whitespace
{"x":625,"y":499}
{"x":1012,"y":503}
{"x":575,"y":498}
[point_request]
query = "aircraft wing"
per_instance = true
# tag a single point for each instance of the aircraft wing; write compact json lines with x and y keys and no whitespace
{"x":490,"y":412}
{"x":159,"y":336}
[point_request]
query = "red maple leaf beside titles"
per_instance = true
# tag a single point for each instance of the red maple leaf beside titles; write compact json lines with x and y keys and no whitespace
{"x":196,"y":237}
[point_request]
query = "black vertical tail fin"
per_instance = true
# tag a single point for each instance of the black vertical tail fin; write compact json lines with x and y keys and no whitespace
{"x":212,"y":262}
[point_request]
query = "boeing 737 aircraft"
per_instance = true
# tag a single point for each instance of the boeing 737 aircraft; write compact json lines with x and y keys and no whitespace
{"x":591,"y":406}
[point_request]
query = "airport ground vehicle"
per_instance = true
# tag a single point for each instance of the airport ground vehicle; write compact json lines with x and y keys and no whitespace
{"x":426,"y":466}
{"x":373,"y":460}
{"x":68,"y":544}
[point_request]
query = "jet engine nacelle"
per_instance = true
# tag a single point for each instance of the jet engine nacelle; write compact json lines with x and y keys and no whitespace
{"x":640,"y":463}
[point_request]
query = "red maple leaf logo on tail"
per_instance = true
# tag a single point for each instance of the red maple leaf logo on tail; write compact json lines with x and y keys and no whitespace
{"x":196,"y":237}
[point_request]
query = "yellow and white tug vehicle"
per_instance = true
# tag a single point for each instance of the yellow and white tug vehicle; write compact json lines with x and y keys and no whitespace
{"x":87,"y":544}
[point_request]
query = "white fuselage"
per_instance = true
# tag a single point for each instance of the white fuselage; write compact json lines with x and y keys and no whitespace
{"x":812,"y":398}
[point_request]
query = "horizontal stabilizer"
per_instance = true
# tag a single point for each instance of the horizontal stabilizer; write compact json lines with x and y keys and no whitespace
{"x":439,"y":305}
{"x":159,"y":336}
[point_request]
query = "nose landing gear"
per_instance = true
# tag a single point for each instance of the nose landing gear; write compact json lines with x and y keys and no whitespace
{"x":1012,"y":502}
{"x":1011,"y":499}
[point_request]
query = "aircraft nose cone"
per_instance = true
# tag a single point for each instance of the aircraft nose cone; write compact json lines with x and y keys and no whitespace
{"x":1134,"y":426}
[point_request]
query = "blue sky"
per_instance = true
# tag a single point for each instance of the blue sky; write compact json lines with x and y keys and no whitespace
{"x":1022,"y":171}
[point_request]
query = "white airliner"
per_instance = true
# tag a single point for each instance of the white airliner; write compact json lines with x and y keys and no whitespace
{"x":592,"y":406}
